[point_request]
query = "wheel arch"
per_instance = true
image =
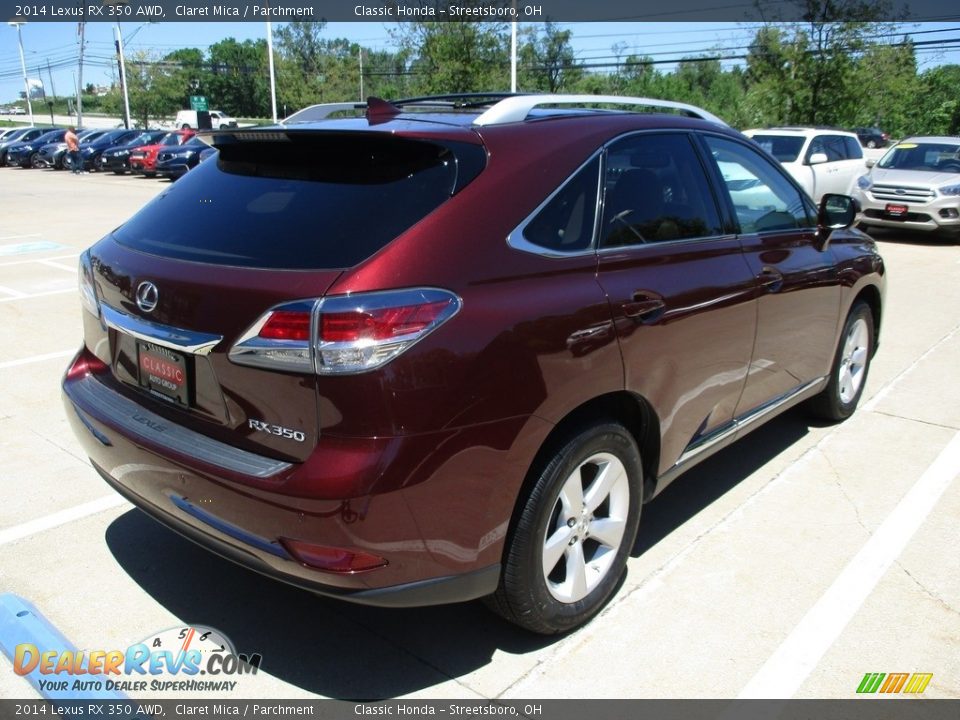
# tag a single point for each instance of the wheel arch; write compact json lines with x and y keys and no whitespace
{"x":632,"y":411}
{"x":870,"y":295}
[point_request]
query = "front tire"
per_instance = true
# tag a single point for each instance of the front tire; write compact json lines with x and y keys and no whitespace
{"x":871,"y":144}
{"x":848,"y":376}
{"x":575,"y":530}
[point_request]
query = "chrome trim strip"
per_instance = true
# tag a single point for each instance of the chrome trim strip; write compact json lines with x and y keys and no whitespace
{"x":738,"y":424}
{"x":93,"y":398}
{"x":188,"y":341}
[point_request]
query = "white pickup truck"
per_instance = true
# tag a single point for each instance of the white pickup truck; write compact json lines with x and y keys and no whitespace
{"x":822,"y":160}
{"x":187,"y":120}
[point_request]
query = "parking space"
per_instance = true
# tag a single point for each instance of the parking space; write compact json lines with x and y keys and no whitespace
{"x":789,"y":565}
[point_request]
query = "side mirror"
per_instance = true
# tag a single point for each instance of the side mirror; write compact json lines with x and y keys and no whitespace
{"x":817,"y":159}
{"x":870,"y":162}
{"x":836,"y":212}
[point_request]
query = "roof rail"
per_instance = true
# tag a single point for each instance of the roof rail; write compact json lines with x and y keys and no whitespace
{"x":516,"y":109}
{"x":322,"y":111}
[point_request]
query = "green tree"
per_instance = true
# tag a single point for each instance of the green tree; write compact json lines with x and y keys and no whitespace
{"x":455,"y":57}
{"x":238,"y":77}
{"x":546,"y":59}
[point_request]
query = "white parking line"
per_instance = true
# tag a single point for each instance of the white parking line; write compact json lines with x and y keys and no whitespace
{"x":40,"y":294}
{"x":17,"y":237}
{"x":37,"y":358}
{"x":71,"y":256}
{"x":11,"y":292}
{"x":63,"y":517}
{"x":58,"y":266}
{"x":786,"y":670}
{"x":885,"y":390}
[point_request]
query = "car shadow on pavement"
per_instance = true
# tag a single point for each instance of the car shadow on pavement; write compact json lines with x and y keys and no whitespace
{"x":714,"y":477}
{"x":340,"y":650}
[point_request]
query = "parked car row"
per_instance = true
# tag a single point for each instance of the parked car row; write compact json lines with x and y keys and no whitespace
{"x":151,"y":153}
{"x":914,"y":186}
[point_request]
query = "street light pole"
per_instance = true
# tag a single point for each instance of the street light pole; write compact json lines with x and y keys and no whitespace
{"x":273,"y":79}
{"x":123,"y":79}
{"x":23,"y":65}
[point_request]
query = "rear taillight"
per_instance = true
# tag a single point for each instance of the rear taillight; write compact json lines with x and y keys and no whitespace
{"x":344,"y":334}
{"x":88,"y":291}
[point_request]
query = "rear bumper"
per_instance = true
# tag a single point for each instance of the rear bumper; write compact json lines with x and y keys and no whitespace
{"x":441,"y":546}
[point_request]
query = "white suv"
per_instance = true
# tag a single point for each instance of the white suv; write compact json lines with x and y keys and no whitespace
{"x":821,"y":160}
{"x":187,"y":120}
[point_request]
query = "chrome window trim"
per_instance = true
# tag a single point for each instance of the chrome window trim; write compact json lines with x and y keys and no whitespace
{"x":187,"y":341}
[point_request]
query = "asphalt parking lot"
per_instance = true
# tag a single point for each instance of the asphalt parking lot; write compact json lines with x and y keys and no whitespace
{"x":787,"y":566}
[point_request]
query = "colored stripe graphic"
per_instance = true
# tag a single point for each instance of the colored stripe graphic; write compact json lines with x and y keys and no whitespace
{"x":894,"y":683}
{"x":870,"y":682}
{"x":918,"y":682}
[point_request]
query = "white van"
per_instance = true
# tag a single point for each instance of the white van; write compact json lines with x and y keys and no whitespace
{"x":187,"y":119}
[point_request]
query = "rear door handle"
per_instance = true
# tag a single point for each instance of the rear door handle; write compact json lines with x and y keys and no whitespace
{"x":645,"y":306}
{"x":770,"y":279}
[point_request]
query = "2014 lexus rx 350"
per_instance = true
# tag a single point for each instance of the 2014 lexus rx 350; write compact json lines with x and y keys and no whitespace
{"x":448,"y":349}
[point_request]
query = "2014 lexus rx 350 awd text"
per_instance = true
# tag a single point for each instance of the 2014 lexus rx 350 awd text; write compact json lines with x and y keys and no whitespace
{"x":448,"y":348}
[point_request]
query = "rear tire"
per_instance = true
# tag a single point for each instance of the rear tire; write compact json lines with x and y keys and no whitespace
{"x":569,"y":548}
{"x":848,"y":376}
{"x":871,"y":144}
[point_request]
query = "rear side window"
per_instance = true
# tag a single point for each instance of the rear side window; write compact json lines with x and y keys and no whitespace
{"x":565,"y":222}
{"x":313,"y":201}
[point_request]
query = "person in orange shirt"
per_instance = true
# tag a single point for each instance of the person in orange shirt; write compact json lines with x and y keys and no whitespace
{"x":73,"y":150}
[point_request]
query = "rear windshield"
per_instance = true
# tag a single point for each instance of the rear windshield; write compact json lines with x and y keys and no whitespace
{"x":317,"y":201}
{"x":784,"y":148}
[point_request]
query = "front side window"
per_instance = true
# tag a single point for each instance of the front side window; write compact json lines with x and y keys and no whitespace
{"x":655,"y":189}
{"x":830,"y":145}
{"x":785,"y":148}
{"x":762,"y":197}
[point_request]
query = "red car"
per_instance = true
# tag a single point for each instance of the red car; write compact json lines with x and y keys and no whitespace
{"x":143,"y":160}
{"x":448,"y":350}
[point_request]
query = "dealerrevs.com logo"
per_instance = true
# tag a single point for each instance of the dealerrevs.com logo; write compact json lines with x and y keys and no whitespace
{"x":180,"y":659}
{"x":892,"y":683}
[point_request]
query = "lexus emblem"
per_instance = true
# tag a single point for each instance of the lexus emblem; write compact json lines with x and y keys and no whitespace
{"x":147,"y":296}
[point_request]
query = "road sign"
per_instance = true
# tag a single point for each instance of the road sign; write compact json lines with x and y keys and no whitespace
{"x":198,"y":103}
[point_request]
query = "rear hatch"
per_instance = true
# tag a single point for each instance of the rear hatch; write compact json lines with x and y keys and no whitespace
{"x":273,"y":221}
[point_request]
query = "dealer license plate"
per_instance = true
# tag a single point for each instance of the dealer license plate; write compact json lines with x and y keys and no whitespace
{"x":896,"y":211}
{"x":163,"y":372}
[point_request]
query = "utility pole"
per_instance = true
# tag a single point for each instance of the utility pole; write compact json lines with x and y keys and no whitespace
{"x":23,"y":64}
{"x":53,"y":89}
{"x":361,"y":74}
{"x":80,"y":30}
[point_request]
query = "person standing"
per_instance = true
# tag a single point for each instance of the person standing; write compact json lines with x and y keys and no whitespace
{"x":73,"y":150}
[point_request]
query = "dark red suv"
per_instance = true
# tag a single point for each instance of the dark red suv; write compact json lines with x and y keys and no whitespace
{"x":446,"y":350}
